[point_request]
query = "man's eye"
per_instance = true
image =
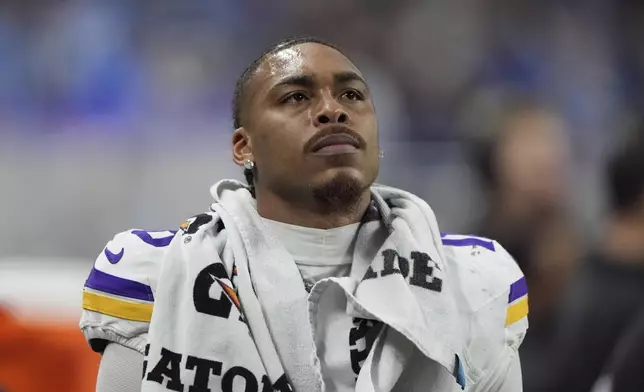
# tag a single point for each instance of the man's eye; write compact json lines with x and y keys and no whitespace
{"x":295,"y":97}
{"x":353,"y":95}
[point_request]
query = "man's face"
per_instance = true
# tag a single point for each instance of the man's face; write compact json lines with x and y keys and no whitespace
{"x":309,"y":121}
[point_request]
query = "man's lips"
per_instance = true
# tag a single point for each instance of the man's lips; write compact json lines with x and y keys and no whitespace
{"x":336,"y":143}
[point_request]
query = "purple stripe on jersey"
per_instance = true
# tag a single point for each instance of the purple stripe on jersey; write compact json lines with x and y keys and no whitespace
{"x":156,"y":242}
{"x":111,"y":284}
{"x":469,"y":241}
{"x":518,"y":289}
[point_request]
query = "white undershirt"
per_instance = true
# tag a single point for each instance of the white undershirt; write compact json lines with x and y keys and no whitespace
{"x":322,"y":254}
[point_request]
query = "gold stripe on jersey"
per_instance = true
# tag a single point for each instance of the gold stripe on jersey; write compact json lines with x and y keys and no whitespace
{"x":119,"y":308}
{"x":517,"y":311}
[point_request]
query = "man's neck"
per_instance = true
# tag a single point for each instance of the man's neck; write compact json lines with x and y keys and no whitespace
{"x":311,"y":214}
{"x":624,"y":242}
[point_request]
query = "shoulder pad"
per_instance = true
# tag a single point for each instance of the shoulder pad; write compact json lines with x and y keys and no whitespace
{"x":118,"y":295}
{"x":490,"y":279}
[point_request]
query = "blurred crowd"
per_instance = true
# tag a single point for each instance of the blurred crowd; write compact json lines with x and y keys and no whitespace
{"x":534,"y":94}
{"x":586,"y":291}
{"x":427,"y":59}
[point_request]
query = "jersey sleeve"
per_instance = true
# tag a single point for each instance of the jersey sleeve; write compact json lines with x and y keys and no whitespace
{"x":495,"y":294}
{"x":516,"y":296}
{"x":118,"y":296}
{"x":493,"y":283}
{"x":503,"y":319}
{"x":508,"y":305}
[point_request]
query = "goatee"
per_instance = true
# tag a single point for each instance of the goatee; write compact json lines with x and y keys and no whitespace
{"x":342,"y":193}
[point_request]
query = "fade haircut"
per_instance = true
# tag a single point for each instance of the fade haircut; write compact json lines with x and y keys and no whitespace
{"x":242,"y":82}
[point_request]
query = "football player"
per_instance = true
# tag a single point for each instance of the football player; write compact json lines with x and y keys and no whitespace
{"x":306,"y":136}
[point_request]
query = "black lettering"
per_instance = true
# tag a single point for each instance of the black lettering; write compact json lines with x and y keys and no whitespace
{"x":145,"y":360}
{"x":250,"y":382}
{"x":282,"y":384}
{"x":390,"y":257}
{"x":357,"y":357}
{"x":266,"y":384}
{"x":359,"y":330}
{"x":168,"y":366}
{"x":361,"y":338}
{"x":192,"y":225}
{"x":219,"y":226}
{"x":422,"y":270}
{"x":219,"y":307}
{"x":403,"y":263}
{"x":203,"y":369}
{"x":370,"y":274}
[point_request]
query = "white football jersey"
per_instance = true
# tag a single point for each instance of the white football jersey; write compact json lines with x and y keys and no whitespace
{"x":118,"y":297}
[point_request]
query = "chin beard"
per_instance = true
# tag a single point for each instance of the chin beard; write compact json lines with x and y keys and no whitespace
{"x":342,"y":192}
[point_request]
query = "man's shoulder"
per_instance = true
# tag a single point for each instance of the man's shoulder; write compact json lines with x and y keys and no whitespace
{"x":129,"y":264}
{"x":118,"y":296}
{"x":123,"y":279}
{"x":488,"y":276}
{"x":128,"y":261}
{"x":483,"y":264}
{"x":493,"y":296}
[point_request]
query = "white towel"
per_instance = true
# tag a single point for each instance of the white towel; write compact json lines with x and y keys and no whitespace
{"x":196,"y":336}
{"x":420,"y":310}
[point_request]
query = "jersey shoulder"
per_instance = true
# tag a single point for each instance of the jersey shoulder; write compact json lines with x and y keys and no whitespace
{"x":493,"y":286}
{"x":118,"y":296}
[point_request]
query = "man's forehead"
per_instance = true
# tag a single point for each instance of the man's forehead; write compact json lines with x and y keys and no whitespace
{"x":304,"y":59}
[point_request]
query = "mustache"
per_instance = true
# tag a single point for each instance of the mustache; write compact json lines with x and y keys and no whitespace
{"x":335,"y":130}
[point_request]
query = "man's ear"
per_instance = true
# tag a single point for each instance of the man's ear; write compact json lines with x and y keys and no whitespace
{"x":242,"y":146}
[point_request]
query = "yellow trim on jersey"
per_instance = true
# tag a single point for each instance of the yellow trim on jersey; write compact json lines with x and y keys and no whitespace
{"x":117,"y":308}
{"x":517,"y":311}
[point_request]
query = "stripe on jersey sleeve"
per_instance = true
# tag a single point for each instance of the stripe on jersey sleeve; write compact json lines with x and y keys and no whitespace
{"x":518,"y":289}
{"x":518,"y":302}
{"x":517,"y":311}
{"x":467,"y":241}
{"x":110,"y":284}
{"x":117,"y":307}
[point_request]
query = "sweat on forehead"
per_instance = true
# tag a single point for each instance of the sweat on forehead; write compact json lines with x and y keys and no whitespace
{"x":303,"y":58}
{"x":282,"y":51}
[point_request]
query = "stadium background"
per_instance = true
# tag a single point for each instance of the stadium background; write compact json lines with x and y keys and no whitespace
{"x":116,"y":114}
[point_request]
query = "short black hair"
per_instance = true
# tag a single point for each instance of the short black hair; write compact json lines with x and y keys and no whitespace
{"x":625,"y":172}
{"x":242,"y":81}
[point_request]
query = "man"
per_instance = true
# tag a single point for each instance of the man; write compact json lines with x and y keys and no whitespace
{"x":605,"y":297}
{"x":312,"y":277}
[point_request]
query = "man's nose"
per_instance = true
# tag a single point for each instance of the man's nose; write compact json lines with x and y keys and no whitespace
{"x":331,"y":112}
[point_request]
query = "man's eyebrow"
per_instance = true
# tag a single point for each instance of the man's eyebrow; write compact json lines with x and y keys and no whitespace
{"x":308,"y":81}
{"x":346,"y":77}
{"x":297,"y":80}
